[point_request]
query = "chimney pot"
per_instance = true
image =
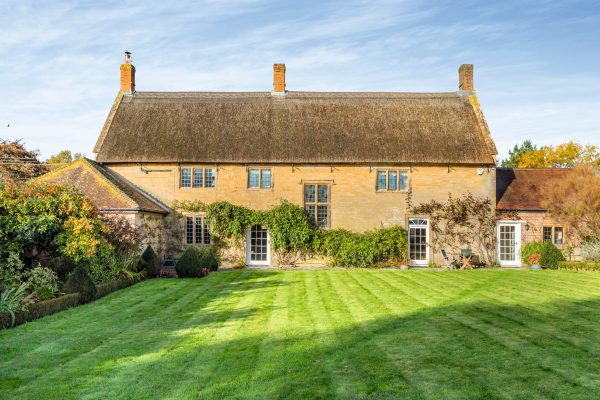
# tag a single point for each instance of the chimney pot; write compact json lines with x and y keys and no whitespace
{"x":279,"y":79}
{"x":465,"y":78}
{"x":127,"y":75}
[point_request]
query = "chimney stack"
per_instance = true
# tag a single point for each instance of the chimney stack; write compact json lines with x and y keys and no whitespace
{"x":127,"y":75}
{"x":279,"y":79}
{"x":465,"y":78}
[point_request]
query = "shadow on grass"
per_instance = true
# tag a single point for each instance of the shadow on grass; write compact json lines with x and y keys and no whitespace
{"x":468,"y":350}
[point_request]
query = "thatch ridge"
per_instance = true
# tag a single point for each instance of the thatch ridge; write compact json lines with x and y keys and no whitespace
{"x":300,"y":127}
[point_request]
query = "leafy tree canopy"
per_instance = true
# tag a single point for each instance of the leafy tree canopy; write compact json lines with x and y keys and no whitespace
{"x":576,"y":203}
{"x":36,"y":218}
{"x":515,"y":154}
{"x":18,"y":164}
{"x":64,"y":157}
{"x":564,"y":155}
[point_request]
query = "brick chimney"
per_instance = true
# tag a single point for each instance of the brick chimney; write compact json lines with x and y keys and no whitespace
{"x":465,"y":78}
{"x":279,"y":79}
{"x":127,"y":75}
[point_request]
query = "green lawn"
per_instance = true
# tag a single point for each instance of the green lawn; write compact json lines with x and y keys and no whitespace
{"x":319,"y":334}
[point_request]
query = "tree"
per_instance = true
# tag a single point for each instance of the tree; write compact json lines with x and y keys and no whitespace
{"x":515,"y":154}
{"x":575,"y":202}
{"x":565,"y":155}
{"x":37,"y":218}
{"x":18,"y":164}
{"x":64,"y":157}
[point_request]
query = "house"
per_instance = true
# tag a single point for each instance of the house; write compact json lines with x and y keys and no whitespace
{"x":523,"y":190}
{"x":350,"y":159}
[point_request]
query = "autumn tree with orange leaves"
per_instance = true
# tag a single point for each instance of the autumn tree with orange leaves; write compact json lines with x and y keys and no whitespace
{"x":576,"y":203}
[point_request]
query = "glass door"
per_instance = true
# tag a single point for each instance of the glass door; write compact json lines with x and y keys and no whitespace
{"x":418,"y":241}
{"x":258,"y":246}
{"x":508,"y":243}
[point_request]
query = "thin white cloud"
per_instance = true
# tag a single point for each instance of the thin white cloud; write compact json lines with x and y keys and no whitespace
{"x":59,"y":60}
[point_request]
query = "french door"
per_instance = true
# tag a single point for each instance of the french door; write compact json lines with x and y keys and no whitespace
{"x":508,"y":239}
{"x":418,"y":241}
{"x":258,"y":246}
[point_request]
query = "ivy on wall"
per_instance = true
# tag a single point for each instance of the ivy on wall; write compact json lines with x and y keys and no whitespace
{"x":293,"y":237}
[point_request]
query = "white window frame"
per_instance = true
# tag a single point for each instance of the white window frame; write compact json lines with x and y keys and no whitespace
{"x":192,"y":169}
{"x":249,"y":260}
{"x":399,"y":172}
{"x":425,"y":262}
{"x":517,"y":261}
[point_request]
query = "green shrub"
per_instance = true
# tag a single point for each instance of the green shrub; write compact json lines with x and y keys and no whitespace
{"x":208,"y":259}
{"x":529,"y":249}
{"x":149,"y":262}
{"x":11,"y":271}
{"x":579,"y":265}
{"x":348,"y":249}
{"x":15,"y":299}
{"x":80,"y":282}
{"x":44,"y":282}
{"x":188,"y":265}
{"x":550,"y":255}
{"x":590,"y":251}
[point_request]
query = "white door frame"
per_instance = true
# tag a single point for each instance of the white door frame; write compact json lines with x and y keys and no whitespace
{"x":249,"y":260}
{"x":517,"y":261}
{"x":427,"y":250}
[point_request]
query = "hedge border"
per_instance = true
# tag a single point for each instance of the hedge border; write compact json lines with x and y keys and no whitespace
{"x":48,"y":307}
{"x":579,"y":265}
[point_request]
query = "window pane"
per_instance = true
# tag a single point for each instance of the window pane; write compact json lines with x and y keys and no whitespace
{"x":322,"y":194}
{"x":381,"y":180}
{"x":558,"y":235}
{"x":265,"y":179}
{"x":310,"y":213}
{"x":547,"y":234}
{"x":253,"y":178}
{"x":392,"y":180}
{"x":186,"y":177}
{"x":322,"y":216}
{"x":198,"y":230}
{"x":209,"y":177}
{"x":189,"y":230}
{"x":197,"y":177}
{"x":403,"y":180}
{"x":206,"y":232}
{"x":309,"y":193}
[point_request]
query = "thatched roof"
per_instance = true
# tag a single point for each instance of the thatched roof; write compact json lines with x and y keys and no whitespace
{"x":108,"y":191}
{"x":525,"y":189}
{"x":300,"y":127}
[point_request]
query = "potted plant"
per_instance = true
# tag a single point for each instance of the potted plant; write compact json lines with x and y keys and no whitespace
{"x":534,"y":260}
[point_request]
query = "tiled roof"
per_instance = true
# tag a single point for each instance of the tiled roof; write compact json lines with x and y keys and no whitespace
{"x":525,"y":188}
{"x":106,"y":190}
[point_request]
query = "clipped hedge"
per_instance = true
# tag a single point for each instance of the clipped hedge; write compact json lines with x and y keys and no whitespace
{"x":41,"y":309}
{"x":208,"y":259}
{"x":149,"y":262}
{"x":188,"y":265}
{"x":79,"y":281}
{"x":48,"y":307}
{"x":121,"y":283}
{"x":579,"y":265}
{"x":550,"y":255}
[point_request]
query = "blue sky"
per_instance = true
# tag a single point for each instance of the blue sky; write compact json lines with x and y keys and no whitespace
{"x":537,"y":63}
